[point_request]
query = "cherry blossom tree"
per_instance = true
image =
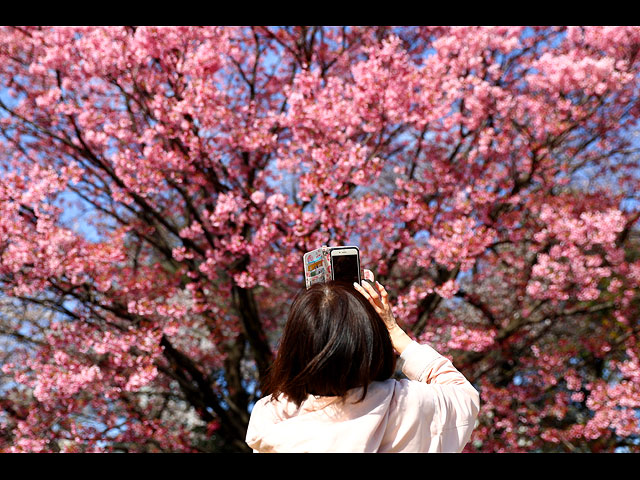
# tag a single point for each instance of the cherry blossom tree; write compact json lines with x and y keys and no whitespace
{"x":160,"y":185}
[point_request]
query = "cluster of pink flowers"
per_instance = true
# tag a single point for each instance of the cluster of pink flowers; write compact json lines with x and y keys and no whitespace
{"x":566,"y":261}
{"x":459,"y":242}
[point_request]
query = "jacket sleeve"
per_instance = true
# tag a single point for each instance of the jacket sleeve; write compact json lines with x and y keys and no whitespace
{"x":457,"y":402}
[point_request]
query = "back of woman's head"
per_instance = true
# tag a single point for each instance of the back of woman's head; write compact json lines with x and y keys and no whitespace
{"x":333,"y":341}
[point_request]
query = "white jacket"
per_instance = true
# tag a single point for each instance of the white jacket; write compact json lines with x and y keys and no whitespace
{"x":434,"y":410}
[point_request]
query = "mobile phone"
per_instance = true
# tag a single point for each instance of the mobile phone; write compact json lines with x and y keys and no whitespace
{"x":345,"y":264}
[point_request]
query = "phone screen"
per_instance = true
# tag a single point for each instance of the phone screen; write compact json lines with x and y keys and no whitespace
{"x":345,"y":268}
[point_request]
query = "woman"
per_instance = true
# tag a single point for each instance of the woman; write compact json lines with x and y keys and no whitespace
{"x":331,"y":389}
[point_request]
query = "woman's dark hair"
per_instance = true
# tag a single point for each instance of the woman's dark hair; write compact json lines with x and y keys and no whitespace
{"x":333,"y":341}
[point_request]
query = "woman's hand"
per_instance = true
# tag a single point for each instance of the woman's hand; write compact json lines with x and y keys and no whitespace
{"x":379,"y":298}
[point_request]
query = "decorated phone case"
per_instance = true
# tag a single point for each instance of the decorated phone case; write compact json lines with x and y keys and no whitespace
{"x":317,"y":265}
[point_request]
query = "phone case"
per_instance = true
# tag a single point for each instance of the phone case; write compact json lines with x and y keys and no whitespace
{"x":317,"y":264}
{"x":317,"y":267}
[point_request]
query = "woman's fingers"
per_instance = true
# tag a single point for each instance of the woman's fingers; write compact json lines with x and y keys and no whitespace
{"x":380,"y":293}
{"x":368,"y":274}
{"x":363,"y":288}
{"x":383,"y":291}
{"x":366,"y":292}
{"x":377,"y":293}
{"x":377,"y":296}
{"x":359,"y":288}
{"x":371,"y":290}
